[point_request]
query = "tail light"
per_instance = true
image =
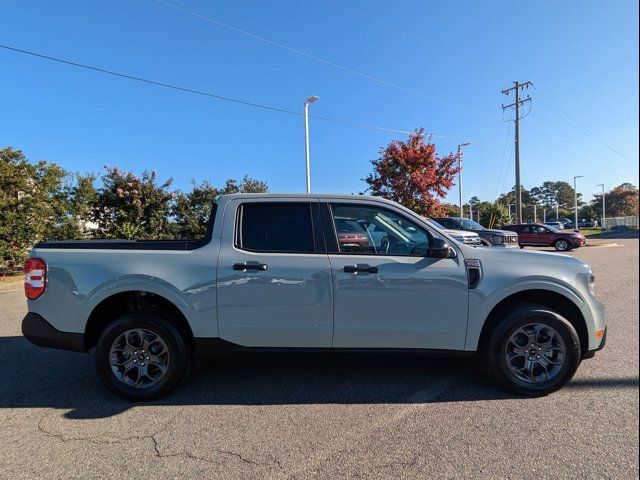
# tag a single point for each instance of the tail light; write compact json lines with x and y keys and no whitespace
{"x":35,"y":277}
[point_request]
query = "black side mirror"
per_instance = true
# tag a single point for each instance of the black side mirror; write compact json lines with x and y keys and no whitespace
{"x":439,"y":248}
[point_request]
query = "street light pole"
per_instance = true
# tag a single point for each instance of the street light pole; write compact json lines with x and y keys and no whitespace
{"x":460,"y":176}
{"x":306,"y":138}
{"x":604,"y":214}
{"x":575,"y":200}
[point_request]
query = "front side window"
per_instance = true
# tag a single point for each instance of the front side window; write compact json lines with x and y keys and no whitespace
{"x":470,"y":225}
{"x":377,"y":231}
{"x":275,"y":227}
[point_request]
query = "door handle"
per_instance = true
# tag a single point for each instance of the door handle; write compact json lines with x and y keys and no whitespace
{"x":250,"y":266}
{"x":360,"y":268}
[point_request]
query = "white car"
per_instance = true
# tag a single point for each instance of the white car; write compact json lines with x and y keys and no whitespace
{"x":463,"y":236}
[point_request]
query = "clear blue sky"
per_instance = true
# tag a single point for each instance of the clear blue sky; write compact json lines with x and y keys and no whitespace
{"x":581,"y":55}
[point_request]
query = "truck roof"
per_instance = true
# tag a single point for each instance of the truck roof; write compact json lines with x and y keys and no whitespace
{"x":321,"y":196}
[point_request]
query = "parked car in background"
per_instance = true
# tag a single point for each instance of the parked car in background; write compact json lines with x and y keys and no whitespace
{"x":352,"y":235}
{"x":566,"y":222}
{"x":556,"y":225}
{"x":537,"y":235}
{"x":462,"y":236}
{"x":587,"y":223}
{"x":489,"y":237}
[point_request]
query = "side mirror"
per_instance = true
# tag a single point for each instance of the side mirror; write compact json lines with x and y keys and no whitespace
{"x":439,"y":248}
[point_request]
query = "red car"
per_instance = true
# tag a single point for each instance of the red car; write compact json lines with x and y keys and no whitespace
{"x":537,"y":235}
{"x":351,"y":235}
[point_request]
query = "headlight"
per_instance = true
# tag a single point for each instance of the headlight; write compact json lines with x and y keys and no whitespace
{"x":592,"y":282}
{"x":497,"y":239}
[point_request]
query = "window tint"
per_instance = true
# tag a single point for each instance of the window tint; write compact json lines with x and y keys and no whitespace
{"x":371,"y":230}
{"x":276,"y":227}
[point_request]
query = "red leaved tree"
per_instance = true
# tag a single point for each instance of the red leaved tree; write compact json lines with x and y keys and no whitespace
{"x":412,"y":174}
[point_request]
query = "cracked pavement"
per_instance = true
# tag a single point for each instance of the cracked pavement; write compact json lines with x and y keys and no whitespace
{"x":300,"y":417}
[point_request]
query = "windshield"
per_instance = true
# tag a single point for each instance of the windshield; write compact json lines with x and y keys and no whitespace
{"x":470,"y":225}
{"x":434,"y":224}
{"x":552,"y":228}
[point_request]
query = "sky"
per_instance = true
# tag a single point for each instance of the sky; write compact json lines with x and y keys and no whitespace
{"x":397,"y":65}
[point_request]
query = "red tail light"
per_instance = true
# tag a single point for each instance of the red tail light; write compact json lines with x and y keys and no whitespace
{"x":35,"y":277}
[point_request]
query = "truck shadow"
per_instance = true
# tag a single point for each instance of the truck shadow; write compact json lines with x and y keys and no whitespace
{"x":37,"y":378}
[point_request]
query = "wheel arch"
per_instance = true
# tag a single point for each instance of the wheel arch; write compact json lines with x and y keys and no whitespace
{"x":129,"y":301}
{"x":548,"y":298}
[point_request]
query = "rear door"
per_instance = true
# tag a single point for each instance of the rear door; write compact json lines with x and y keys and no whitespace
{"x":388,"y":293}
{"x":274,"y":278}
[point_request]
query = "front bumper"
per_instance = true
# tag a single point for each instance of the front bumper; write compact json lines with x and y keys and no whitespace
{"x":592,"y":353}
{"x":40,"y":332}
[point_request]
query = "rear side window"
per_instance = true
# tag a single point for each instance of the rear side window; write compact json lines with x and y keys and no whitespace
{"x":275,"y":227}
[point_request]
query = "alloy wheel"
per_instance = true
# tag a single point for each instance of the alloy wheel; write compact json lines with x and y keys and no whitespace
{"x":535,"y":353}
{"x":139,"y":358}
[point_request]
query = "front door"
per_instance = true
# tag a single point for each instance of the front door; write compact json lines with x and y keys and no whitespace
{"x":274,"y":279}
{"x":388,"y":292}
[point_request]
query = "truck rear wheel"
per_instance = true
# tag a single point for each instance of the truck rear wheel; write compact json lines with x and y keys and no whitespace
{"x":142,"y":356}
{"x":533,"y":350}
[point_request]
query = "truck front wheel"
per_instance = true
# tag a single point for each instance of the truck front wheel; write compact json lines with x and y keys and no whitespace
{"x":532,"y":350}
{"x":141,"y":356}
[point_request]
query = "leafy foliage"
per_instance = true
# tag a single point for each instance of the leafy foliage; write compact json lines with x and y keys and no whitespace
{"x":43,"y":201}
{"x":622,"y":201}
{"x":31,"y":203}
{"x":410,"y":172}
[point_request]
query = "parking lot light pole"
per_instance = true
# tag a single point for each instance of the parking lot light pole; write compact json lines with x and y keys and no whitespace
{"x":604,"y":212}
{"x":306,"y":137}
{"x":460,"y":175}
{"x":575,"y":200}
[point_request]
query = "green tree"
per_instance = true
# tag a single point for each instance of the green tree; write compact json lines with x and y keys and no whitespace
{"x":80,"y":197}
{"x":31,"y":202}
{"x":191,"y":211}
{"x":247,"y":185}
{"x":622,"y":201}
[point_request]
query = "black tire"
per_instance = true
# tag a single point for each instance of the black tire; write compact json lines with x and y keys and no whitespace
{"x":521,"y":246}
{"x":177,"y":345}
{"x":559,"y":245}
{"x":494,"y":350}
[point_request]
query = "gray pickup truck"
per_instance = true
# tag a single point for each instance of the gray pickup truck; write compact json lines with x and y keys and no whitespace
{"x":274,"y":274}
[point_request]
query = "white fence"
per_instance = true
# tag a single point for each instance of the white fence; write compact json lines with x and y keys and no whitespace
{"x":630,"y":222}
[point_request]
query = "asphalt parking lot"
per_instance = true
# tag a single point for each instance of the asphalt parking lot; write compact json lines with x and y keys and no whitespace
{"x":309,"y":417}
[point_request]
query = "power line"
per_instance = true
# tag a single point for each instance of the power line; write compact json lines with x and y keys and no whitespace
{"x":322,"y":60}
{"x":581,"y":157}
{"x":572,"y":120}
{"x":215,"y":96}
{"x":504,"y":157}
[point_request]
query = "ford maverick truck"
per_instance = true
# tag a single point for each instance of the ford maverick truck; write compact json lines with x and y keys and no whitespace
{"x":281,"y":273}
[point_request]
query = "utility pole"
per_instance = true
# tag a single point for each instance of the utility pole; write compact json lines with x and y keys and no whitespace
{"x":557,"y":210}
{"x":604,"y":214}
{"x":460,"y":176}
{"x":575,"y":200}
{"x":535,"y":213}
{"x":517,"y":86}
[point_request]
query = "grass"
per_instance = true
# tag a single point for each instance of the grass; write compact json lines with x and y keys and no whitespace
{"x":591,"y":232}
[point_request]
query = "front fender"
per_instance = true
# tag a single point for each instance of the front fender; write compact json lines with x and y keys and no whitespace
{"x":483,"y":301}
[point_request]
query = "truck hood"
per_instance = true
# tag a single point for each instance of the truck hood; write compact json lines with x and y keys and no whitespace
{"x":526,"y":262}
{"x":459,"y":233}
